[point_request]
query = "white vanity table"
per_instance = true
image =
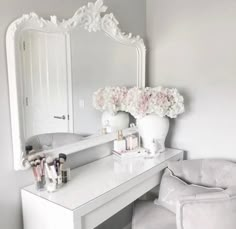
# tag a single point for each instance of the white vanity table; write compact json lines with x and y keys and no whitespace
{"x":96,"y":192}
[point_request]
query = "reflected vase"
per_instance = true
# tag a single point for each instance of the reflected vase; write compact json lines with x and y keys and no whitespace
{"x":153,"y":129}
{"x":115,"y":122}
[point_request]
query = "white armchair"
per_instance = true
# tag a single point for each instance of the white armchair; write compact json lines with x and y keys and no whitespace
{"x":194,"y":194}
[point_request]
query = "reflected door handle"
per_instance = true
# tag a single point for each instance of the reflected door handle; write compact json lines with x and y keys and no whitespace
{"x":60,"y":117}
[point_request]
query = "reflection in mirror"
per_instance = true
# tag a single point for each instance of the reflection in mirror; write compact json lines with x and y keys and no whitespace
{"x":59,"y":100}
{"x":97,"y":61}
{"x":55,"y":67}
{"x":45,"y":83}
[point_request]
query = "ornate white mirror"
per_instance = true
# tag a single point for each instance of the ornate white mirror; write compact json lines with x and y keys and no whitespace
{"x":55,"y":66}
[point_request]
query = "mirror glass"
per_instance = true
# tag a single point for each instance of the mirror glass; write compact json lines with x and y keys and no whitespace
{"x":45,"y":83}
{"x":97,"y":61}
{"x":54,"y":68}
{"x":62,"y":71}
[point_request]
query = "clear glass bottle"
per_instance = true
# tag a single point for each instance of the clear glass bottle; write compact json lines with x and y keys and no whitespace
{"x":120,"y":143}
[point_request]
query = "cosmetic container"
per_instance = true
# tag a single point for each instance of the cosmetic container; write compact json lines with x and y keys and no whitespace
{"x":64,"y":169}
{"x":131,"y":142}
{"x":107,"y":127}
{"x":39,"y":173}
{"x":57,"y":172}
{"x":51,"y":186}
{"x":65,"y":175}
{"x":120,"y":143}
{"x":40,"y":184}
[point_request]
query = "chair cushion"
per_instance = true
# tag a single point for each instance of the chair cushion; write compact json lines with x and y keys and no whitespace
{"x":147,"y":215}
{"x":172,"y":189}
{"x":211,"y":211}
{"x":206,"y":172}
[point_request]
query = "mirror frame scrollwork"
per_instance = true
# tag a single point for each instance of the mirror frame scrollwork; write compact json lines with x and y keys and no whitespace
{"x":91,"y":17}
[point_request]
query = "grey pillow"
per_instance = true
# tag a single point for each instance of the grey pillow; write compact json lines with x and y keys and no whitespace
{"x":211,"y":211}
{"x":172,"y":189}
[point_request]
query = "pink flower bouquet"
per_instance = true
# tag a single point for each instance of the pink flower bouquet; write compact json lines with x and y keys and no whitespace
{"x":140,"y":102}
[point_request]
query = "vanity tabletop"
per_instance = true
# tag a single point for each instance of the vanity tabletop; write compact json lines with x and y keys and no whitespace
{"x":100,"y":177}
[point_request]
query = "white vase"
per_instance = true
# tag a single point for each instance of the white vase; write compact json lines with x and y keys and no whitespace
{"x":116,"y":122}
{"x":153,"y":128}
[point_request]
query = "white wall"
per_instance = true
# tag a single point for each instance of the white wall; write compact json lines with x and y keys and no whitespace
{"x":192,"y":47}
{"x":11,"y":181}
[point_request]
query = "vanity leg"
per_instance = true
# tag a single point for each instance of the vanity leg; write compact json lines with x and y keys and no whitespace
{"x":39,"y":213}
{"x":77,"y":223}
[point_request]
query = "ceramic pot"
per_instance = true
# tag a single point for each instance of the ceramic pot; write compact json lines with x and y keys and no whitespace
{"x":153,"y":129}
{"x":115,"y":122}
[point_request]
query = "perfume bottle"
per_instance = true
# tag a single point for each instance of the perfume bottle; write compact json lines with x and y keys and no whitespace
{"x":131,"y":142}
{"x":107,"y":127}
{"x":120,"y":143}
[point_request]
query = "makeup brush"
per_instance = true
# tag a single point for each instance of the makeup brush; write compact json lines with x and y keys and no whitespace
{"x":50,"y":163}
{"x":32,"y":164}
{"x":42,"y":165}
{"x":38,"y":167}
{"x":32,"y":157}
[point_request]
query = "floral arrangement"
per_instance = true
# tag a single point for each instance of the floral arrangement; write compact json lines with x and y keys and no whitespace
{"x":161,"y":101}
{"x":140,"y":102}
{"x":110,"y":99}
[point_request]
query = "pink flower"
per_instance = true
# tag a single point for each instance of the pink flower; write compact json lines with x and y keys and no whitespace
{"x":139,"y":101}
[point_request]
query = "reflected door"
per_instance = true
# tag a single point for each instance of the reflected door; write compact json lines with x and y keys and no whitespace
{"x":46,"y":89}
